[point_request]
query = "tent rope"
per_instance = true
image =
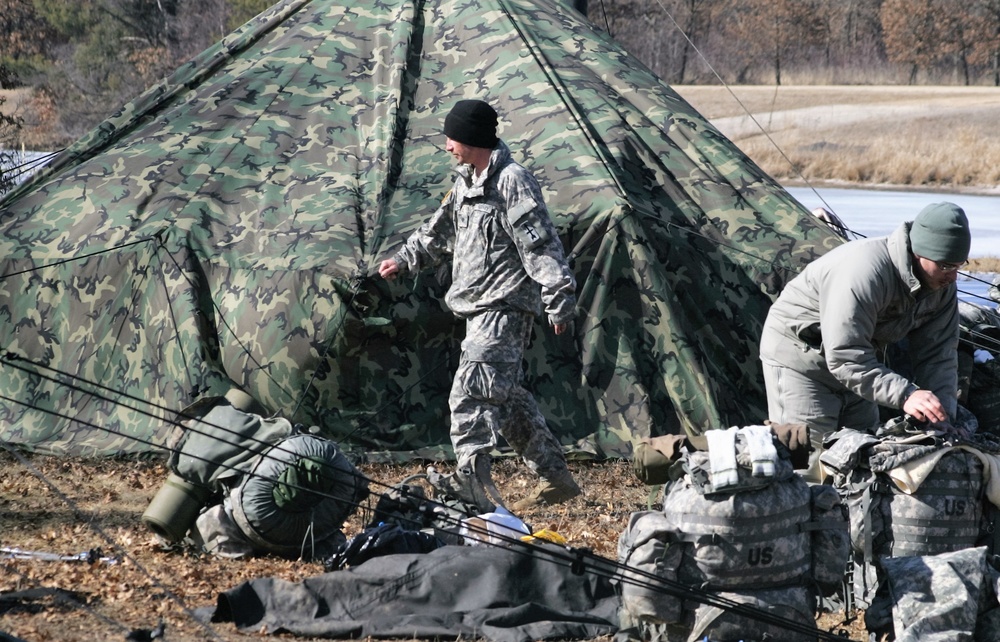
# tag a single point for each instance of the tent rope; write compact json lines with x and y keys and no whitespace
{"x":748,"y":113}
{"x":357,"y":284}
{"x":173,"y":319}
{"x":759,"y":126}
{"x":9,"y":358}
{"x":577,"y":559}
{"x":563,"y":93}
{"x":232,"y":332}
{"x":15,"y":172}
{"x":83,"y":517}
{"x":82,"y":257}
{"x":971,"y":276}
{"x":143,"y":269}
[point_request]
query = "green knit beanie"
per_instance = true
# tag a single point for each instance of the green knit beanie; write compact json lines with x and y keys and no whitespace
{"x":941,"y":233}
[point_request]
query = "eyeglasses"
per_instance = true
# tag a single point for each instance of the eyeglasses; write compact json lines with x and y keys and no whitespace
{"x":944,"y":267}
{"x":950,"y":267}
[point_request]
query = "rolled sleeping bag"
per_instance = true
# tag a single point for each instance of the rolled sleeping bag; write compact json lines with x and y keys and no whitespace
{"x":299,"y":491}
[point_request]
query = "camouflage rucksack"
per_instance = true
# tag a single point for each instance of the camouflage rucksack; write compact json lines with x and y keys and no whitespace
{"x":979,"y":364}
{"x":948,"y":596}
{"x":769,"y":541}
{"x":984,"y":394}
{"x":906,"y":496}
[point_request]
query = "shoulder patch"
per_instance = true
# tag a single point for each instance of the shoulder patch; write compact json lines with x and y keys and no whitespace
{"x":528,"y":228}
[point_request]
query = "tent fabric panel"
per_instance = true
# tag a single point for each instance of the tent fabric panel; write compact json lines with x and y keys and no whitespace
{"x":281,"y":165}
{"x":97,"y":366}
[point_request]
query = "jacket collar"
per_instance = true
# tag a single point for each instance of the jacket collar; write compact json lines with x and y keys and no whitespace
{"x":499,"y":157}
{"x":902,"y":257}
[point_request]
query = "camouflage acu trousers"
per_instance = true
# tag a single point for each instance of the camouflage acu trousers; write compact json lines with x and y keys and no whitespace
{"x":488,"y":399}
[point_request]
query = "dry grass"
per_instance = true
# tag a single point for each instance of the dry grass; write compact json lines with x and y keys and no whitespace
{"x":930,"y":137}
{"x":988,"y":264}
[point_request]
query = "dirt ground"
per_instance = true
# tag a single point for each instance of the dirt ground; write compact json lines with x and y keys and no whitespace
{"x":67,"y":507}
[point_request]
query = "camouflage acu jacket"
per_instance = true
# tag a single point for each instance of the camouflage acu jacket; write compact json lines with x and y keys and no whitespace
{"x":505,"y":251}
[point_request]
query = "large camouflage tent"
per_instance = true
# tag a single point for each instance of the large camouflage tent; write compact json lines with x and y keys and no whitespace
{"x":222,"y":230}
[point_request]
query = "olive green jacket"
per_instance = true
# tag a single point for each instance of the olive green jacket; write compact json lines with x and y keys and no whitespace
{"x":849,"y":304}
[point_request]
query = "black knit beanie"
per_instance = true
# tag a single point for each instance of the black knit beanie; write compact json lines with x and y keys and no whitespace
{"x":472,"y":122}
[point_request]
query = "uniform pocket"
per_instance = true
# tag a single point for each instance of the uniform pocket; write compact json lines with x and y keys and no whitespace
{"x":487,"y":382}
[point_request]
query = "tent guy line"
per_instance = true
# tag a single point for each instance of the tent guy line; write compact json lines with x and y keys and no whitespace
{"x":82,"y":257}
{"x":93,"y":525}
{"x":27,"y":167}
{"x":357,"y":282}
{"x":173,"y":315}
{"x":263,"y":155}
{"x":983,"y":341}
{"x":739,"y":102}
{"x":795,"y":271}
{"x":578,"y":559}
{"x":225,"y":322}
{"x":275,"y":158}
{"x":359,"y":279}
{"x":9,"y":359}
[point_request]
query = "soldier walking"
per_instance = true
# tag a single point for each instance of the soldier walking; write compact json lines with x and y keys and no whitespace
{"x":507,"y":266}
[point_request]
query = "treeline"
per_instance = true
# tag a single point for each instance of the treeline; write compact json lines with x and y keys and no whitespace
{"x":810,"y":41}
{"x":78,"y":60}
{"x":82,"y":59}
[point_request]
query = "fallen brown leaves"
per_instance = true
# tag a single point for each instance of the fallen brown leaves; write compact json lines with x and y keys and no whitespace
{"x":107,"y":498}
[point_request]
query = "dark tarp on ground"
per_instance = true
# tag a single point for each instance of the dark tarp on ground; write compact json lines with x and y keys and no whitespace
{"x":507,"y":595}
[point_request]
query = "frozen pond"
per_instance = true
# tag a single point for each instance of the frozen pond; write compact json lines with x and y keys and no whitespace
{"x":21,"y":165}
{"x":879,"y":212}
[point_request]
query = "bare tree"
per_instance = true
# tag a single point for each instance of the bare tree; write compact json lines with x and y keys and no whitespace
{"x":986,"y":42}
{"x":693,"y":20}
{"x":771,"y":32}
{"x":855,"y":33}
{"x":24,"y":37}
{"x":917,"y":33}
{"x":960,"y":28}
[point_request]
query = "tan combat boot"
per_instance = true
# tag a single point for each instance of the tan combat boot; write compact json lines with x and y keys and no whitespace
{"x":554,"y":489}
{"x":472,"y":484}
